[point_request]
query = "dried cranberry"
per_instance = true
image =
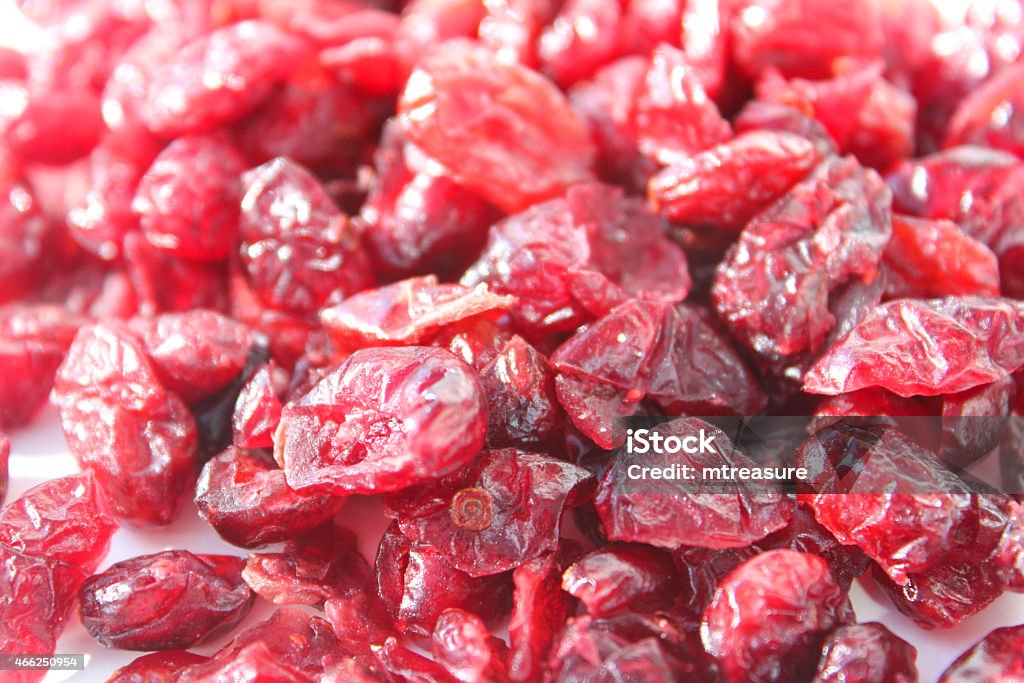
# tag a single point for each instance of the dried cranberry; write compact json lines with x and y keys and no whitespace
{"x":621,"y":578}
{"x":165,"y":601}
{"x":995,"y":658}
{"x":243,"y":495}
{"x":770,"y":616}
{"x":64,"y":520}
{"x":386,"y":419}
{"x":24,"y":235}
{"x":870,"y":653}
{"x":33,"y":125}
{"x":495,"y":514}
{"x":426,"y":23}
{"x":464,"y":646}
{"x":925,"y":347}
{"x":188,"y":199}
{"x":502,"y":130}
{"x":297,"y":247}
{"x":219,"y":77}
{"x":164,"y":283}
{"x":945,"y":595}
{"x":258,"y":408}
{"x":583,"y":36}
{"x":974,"y":422}
{"x":5,"y":454}
{"x":992,"y":114}
{"x":671,"y":357}
{"x":725,"y":186}
{"x":407,"y":665}
{"x":158,"y":667}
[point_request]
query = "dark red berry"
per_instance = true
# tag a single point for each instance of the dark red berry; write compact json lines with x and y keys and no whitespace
{"x":996,"y":658}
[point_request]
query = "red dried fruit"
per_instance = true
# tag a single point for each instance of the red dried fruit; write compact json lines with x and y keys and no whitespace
{"x":297,"y":247}
{"x":584,"y":36}
{"x":758,"y":115}
{"x":5,"y":454}
{"x":406,"y":313}
{"x":463,"y":645}
{"x":925,"y":347}
{"x":425,"y":24}
{"x":497,"y":513}
{"x":996,"y":658}
{"x":667,"y":513}
{"x":803,"y":37}
{"x":417,"y":584}
{"x":674,"y":117}
{"x":219,"y":77}
{"x":727,"y":185}
{"x":563,"y":259}
{"x":24,"y":235}
{"x":244,"y":497}
{"x":258,"y":408}
{"x":670,"y":356}
{"x":64,"y":520}
{"x":945,"y":595}
{"x":188,"y":199}
{"x":776,"y":286}
{"x":384,"y":420}
{"x":158,"y":667}
{"x":255,"y":662}
{"x":165,"y":601}
{"x":869,"y":653}
{"x":138,"y":439}
{"x":934,"y":258}
{"x":501,"y":130}
{"x":992,"y":114}
{"x":511,"y":28}
{"x":974,"y":422}
{"x":33,"y":124}
{"x":771,"y":615}
{"x":622,"y":578}
{"x":406,"y":665}
{"x":164,"y":283}
{"x":539,"y":609}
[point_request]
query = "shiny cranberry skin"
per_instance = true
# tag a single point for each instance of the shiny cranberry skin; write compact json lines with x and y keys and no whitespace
{"x":297,"y":247}
{"x":34,"y":124}
{"x":158,"y":667}
{"x":384,"y":420}
{"x":243,"y":495}
{"x":502,"y":130}
{"x":770,"y":616}
{"x":462,"y":644}
{"x":584,"y":36}
{"x":494,"y":515}
{"x":165,"y":283}
{"x":166,"y":601}
{"x":869,"y":653}
{"x":258,"y":408}
{"x":24,"y":235}
{"x":996,"y":658}
{"x":188,"y":199}
{"x":992,"y":115}
{"x":945,"y":595}
{"x":622,"y":578}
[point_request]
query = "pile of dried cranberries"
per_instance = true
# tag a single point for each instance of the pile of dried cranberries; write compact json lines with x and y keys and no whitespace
{"x":267,"y":255}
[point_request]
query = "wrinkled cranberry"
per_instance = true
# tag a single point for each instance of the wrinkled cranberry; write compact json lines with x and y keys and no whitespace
{"x":758,"y":115}
{"x":165,"y":601}
{"x":671,"y":357}
{"x":995,"y":658}
{"x":164,"y":283}
{"x":495,"y":514}
{"x":925,"y":347}
{"x":974,"y":422}
{"x":945,"y":595}
{"x":622,"y":578}
{"x":502,"y":130}
{"x":297,"y":247}
{"x":583,"y":36}
{"x":426,"y":23}
{"x":34,"y":123}
{"x":770,"y":616}
{"x":258,"y":408}
{"x":24,"y":235}
{"x":464,"y":646}
{"x":992,"y":114}
{"x":869,"y":653}
{"x":158,"y":667}
{"x":384,"y":420}
{"x":407,"y":665}
{"x":219,"y":77}
{"x":244,"y":497}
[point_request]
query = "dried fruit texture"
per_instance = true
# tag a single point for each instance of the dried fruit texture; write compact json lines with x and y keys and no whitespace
{"x":502,"y":130}
{"x":974,"y":422}
{"x":725,"y":186}
{"x":195,"y":354}
{"x":417,"y":584}
{"x":406,"y":665}
{"x":244,"y":497}
{"x":138,"y":438}
{"x":622,"y":578}
{"x":407,"y":312}
{"x":992,"y":115}
{"x":794,"y":262}
{"x":158,"y":667}
{"x":979,"y":189}
{"x":463,"y":645}
{"x":673,"y":115}
{"x":669,"y":513}
{"x":386,"y":419}
{"x":925,"y":347}
{"x":297,"y":247}
{"x":63,"y":520}
{"x":165,"y":601}
{"x":758,"y":115}
{"x":258,"y":408}
{"x":188,"y":199}
{"x":539,"y":609}
{"x":426,"y":23}
{"x":945,"y":595}
{"x":770,"y":616}
{"x":629,"y":647}
{"x":996,"y":658}
{"x":5,"y":454}
{"x":219,"y":77}
{"x":494,"y":515}
{"x":672,"y":357}
{"x":33,"y":125}
{"x":24,"y":235}
{"x":870,"y":653}
{"x":802,"y":38}
{"x":563,"y":261}
{"x":163,"y":283}
{"x":584,"y":36}
{"x":33,"y":341}
{"x":935,"y":258}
